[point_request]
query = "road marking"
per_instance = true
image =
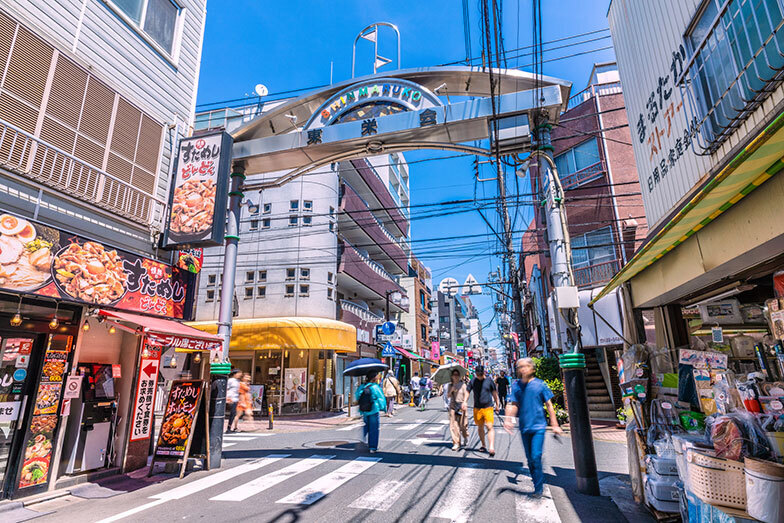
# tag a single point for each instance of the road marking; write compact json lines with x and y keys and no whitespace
{"x":227,"y":445}
{"x":444,"y":422}
{"x":417,"y":422}
{"x":535,"y":510}
{"x":457,"y":503}
{"x":241,"y":438}
{"x":219,"y":477}
{"x":420,"y":441}
{"x":133,"y":511}
{"x":270,"y":480}
{"x":381,"y":497}
{"x":351,"y":427}
{"x":321,"y":487}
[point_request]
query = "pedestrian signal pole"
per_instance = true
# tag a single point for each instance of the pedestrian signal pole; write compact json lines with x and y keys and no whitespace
{"x":565,"y":308}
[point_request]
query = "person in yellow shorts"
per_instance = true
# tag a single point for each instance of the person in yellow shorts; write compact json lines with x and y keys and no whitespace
{"x":485,"y":403}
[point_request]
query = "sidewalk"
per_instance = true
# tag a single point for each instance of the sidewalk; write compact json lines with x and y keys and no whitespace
{"x":298,"y":423}
{"x":604,"y":431}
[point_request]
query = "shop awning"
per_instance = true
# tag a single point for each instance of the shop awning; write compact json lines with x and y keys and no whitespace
{"x":287,"y":333}
{"x":166,"y":332}
{"x":407,"y":354}
{"x":759,"y":161}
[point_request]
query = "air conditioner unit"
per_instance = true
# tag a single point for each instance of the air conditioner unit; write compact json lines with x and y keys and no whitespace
{"x":338,"y":401}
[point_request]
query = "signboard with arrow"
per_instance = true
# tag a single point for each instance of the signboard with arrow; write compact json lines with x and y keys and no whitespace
{"x":142,"y":421}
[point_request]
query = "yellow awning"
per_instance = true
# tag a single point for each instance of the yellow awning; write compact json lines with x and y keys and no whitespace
{"x":757,"y":162}
{"x":287,"y":334}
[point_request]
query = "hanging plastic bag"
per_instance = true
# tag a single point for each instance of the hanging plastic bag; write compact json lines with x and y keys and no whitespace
{"x":664,"y":421}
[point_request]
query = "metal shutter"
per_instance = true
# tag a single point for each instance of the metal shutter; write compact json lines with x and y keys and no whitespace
{"x":29,"y":67}
{"x":126,"y":130}
{"x":97,"y":111}
{"x":7,"y":30}
{"x":67,"y":92}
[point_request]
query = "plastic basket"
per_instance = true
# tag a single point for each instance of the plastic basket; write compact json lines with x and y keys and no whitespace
{"x":717,"y":481}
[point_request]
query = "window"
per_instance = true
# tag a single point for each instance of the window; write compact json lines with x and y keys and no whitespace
{"x":331,"y":227}
{"x":578,"y":158}
{"x":593,"y":248}
{"x":293,"y":221}
{"x":262,"y":275}
{"x":304,"y":290}
{"x":254,"y":225}
{"x":289,"y":290}
{"x":294,"y":205}
{"x":265,"y":223}
{"x":261,"y":292}
{"x":156,"y":18}
{"x":329,"y":294}
{"x":211,"y":279}
{"x":210,"y":295}
{"x":422,"y":300}
{"x":248,"y":293}
{"x":253,"y":209}
{"x":249,"y":276}
{"x":330,"y":277}
{"x":307,"y":221}
{"x":304,"y":274}
{"x":291,"y":274}
{"x":423,"y":332}
{"x":307,"y":205}
{"x":267,"y":208}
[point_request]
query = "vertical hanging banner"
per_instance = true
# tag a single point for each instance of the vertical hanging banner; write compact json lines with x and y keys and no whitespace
{"x":198,"y":198}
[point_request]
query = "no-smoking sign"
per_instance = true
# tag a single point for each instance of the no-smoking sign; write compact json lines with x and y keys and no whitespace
{"x":73,"y":387}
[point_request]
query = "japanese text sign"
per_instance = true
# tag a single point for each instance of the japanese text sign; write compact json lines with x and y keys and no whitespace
{"x":142,"y":421}
{"x":197,"y":203}
{"x":179,"y":418}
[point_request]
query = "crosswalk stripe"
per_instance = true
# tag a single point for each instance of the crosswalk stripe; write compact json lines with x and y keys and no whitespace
{"x":381,"y":497}
{"x":267,"y":481}
{"x":444,"y":422}
{"x":321,"y":487}
{"x":131,"y":512}
{"x":351,"y":427}
{"x":240,"y":438}
{"x":219,"y":477}
{"x":227,"y":445}
{"x":417,"y":422}
{"x":536,"y":510}
{"x":249,"y":435}
{"x":456,"y":503}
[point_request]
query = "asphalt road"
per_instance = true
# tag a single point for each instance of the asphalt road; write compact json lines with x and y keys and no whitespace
{"x":321,"y":476}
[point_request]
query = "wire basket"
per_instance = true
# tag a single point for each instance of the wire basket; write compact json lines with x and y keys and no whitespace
{"x":717,"y":481}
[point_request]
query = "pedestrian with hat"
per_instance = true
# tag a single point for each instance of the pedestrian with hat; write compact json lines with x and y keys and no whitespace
{"x":485,"y":404}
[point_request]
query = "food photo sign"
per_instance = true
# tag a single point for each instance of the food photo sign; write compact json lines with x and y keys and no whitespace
{"x":199,"y":192}
{"x":45,"y":261}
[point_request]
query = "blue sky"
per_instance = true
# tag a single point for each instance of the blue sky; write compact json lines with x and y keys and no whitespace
{"x":297,"y":44}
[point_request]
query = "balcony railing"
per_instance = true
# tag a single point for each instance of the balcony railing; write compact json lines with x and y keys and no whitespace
{"x":584,"y":175}
{"x":596,"y":274}
{"x":361,"y":312}
{"x":40,"y":161}
{"x":736,"y":66}
{"x":593,"y":90}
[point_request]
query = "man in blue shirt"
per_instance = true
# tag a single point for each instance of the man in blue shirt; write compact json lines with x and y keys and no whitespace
{"x":370,"y":405}
{"x":528,"y":396}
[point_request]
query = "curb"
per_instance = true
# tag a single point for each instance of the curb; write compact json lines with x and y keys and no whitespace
{"x":9,"y":505}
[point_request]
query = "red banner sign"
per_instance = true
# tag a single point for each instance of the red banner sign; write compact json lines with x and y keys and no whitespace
{"x":142,"y":421}
{"x":41,"y":260}
{"x":181,"y":342}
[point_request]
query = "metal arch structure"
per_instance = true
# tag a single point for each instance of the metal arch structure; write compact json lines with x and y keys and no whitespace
{"x":274,"y":142}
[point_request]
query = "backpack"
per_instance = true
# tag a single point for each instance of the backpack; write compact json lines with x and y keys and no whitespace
{"x":423,"y":382}
{"x":366,"y":399}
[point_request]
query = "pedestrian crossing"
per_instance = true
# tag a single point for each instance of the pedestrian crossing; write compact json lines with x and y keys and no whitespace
{"x":281,"y":479}
{"x":231,"y":439}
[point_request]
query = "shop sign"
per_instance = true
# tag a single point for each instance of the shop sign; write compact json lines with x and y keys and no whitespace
{"x":198,"y":199}
{"x":388,"y":96}
{"x":191,"y":260}
{"x":44,"y":261}
{"x":294,"y":386}
{"x":116,"y":371}
{"x":435,"y":350}
{"x":179,"y":419}
{"x":181,"y":342}
{"x":142,"y":421}
{"x":363,"y":336}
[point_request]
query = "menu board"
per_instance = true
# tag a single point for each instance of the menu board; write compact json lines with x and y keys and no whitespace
{"x":41,"y":260}
{"x":197,"y":204}
{"x":179,"y":419}
{"x":43,"y":424}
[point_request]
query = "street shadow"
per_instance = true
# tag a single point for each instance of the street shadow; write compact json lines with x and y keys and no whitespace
{"x":588,"y":508}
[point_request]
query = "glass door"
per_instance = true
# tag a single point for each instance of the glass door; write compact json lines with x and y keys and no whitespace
{"x":15,"y":354}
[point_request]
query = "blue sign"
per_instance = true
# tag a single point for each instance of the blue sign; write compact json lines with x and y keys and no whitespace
{"x":388,"y":328}
{"x":20,"y":375}
{"x":388,"y":351}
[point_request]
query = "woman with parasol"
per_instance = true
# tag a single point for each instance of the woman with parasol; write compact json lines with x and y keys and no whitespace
{"x":369,"y":396}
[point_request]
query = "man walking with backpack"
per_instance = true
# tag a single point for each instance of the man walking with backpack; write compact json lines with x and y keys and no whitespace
{"x":413,"y":385}
{"x":424,"y":391}
{"x":371,"y":402}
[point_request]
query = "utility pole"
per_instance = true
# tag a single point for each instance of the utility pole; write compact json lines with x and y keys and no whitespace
{"x":517,"y":301}
{"x":566,"y":304}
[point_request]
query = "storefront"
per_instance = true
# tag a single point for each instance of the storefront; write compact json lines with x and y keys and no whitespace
{"x":69,"y":372}
{"x":293,"y":362}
